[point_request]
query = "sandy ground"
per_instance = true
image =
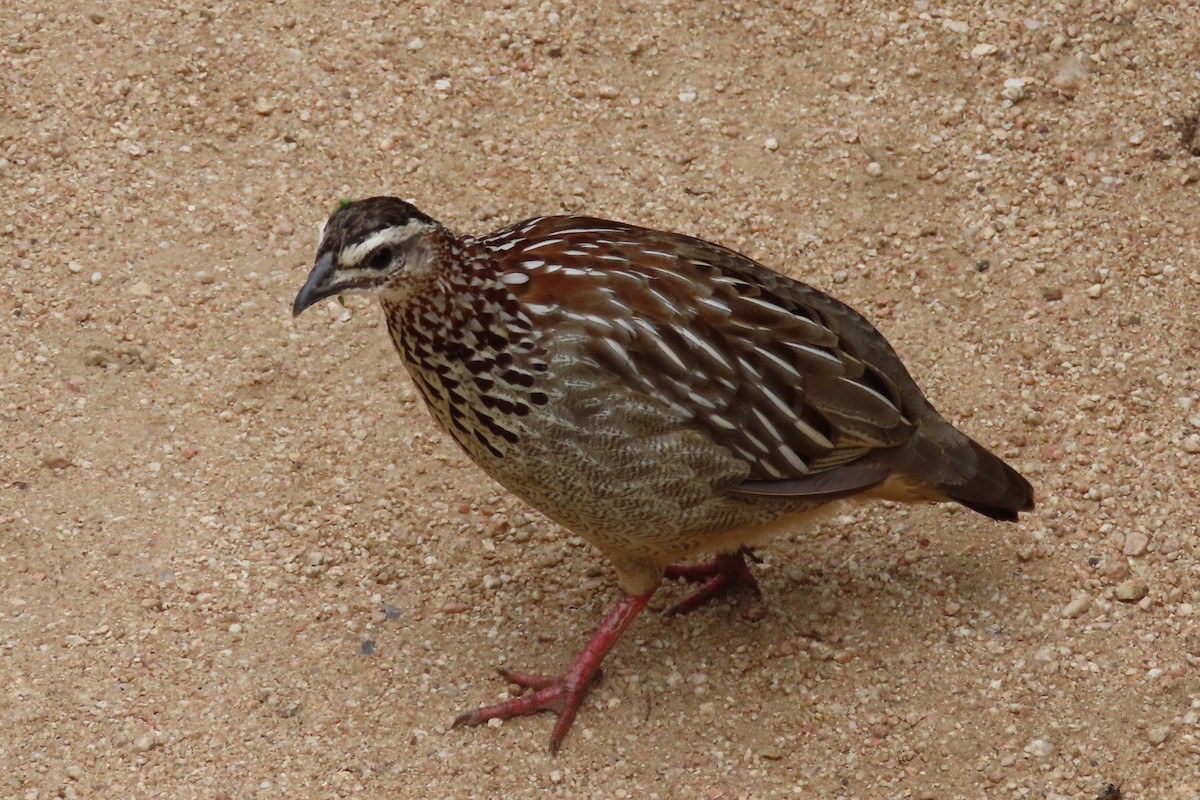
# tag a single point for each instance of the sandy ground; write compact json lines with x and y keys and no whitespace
{"x":237,"y":559}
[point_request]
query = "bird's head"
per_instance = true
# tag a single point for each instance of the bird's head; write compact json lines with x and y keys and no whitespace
{"x":375,"y":246}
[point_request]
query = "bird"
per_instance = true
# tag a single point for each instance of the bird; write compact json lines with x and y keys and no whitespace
{"x":664,"y":397}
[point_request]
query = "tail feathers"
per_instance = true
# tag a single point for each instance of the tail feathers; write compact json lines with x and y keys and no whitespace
{"x":991,"y":487}
{"x":958,"y":468}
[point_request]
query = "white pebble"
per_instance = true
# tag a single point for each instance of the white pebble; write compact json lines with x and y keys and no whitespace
{"x":1014,"y":90}
{"x":687,"y":96}
{"x":1079,"y":605}
{"x":75,"y":266}
{"x":416,"y":43}
{"x":1039,"y":748}
{"x":874,"y":169}
{"x":96,"y":278}
{"x":771,"y":143}
{"x":1158,"y":734}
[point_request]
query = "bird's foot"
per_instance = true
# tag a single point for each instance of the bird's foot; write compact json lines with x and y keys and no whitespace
{"x":718,"y":576}
{"x":558,"y":694}
{"x":562,"y":694}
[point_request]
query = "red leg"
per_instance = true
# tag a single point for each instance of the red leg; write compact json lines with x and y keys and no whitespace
{"x":563,"y":694}
{"x":719,"y":575}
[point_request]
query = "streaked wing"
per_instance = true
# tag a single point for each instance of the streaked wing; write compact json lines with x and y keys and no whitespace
{"x":768,"y":367}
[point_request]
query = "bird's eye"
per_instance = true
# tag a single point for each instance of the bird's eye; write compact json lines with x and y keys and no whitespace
{"x":380,"y":258}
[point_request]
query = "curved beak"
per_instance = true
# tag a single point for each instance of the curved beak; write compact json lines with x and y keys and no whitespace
{"x":317,"y":286}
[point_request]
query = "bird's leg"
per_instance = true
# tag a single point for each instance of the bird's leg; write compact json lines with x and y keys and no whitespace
{"x":724,"y":572}
{"x":562,"y":694}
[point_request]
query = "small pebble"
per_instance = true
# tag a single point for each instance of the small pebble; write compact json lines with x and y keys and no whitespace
{"x":874,"y":169}
{"x":1039,"y":748}
{"x":1135,"y":543}
{"x":1068,"y":76}
{"x":1014,"y":90}
{"x":1158,"y":734}
{"x":1132,"y":590}
{"x":56,"y":461}
{"x":1078,"y":606}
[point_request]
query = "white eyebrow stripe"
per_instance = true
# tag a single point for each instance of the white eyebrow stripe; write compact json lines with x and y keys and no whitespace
{"x":354,"y":254}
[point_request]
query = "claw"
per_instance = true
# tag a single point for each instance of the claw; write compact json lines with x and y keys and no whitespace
{"x":562,"y":694}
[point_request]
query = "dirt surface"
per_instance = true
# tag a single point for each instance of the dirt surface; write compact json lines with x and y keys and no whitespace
{"x":238,"y":560}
